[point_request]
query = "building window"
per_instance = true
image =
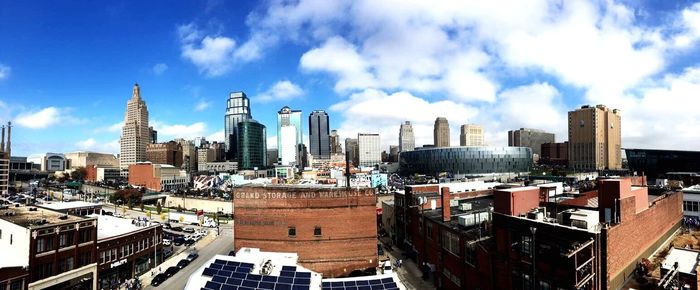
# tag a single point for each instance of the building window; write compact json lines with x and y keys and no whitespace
{"x":102,"y":257}
{"x":65,"y":239}
{"x":429,"y":230}
{"x":450,"y":242}
{"x":85,"y":236}
{"x":44,"y":244}
{"x":292,"y":232}
{"x":45,"y":270}
{"x":451,"y":277}
{"x":317,"y":231}
{"x":65,"y":265}
{"x":525,"y":245}
{"x":16,"y":284}
{"x":470,"y":254}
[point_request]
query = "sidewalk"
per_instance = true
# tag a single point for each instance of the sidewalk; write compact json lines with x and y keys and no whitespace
{"x":409,"y":273}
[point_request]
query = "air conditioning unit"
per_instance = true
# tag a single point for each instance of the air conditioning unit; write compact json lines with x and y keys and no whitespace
{"x":465,"y":206}
{"x":535,"y":215}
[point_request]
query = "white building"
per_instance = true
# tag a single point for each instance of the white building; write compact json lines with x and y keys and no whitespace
{"x":407,"y":141}
{"x":85,"y":159}
{"x":369,"y":152}
{"x":50,"y":162}
{"x":471,"y":135}
{"x":691,"y":201}
{"x":288,"y":145}
{"x":225,"y":166}
{"x":135,"y":134}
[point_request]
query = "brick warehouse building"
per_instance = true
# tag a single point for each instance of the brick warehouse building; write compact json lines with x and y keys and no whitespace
{"x":332,"y":229}
{"x":592,"y":241}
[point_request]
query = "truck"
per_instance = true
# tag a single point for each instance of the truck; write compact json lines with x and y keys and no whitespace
{"x":186,"y":218}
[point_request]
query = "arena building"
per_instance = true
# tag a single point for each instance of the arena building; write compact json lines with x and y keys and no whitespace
{"x":465,"y":160}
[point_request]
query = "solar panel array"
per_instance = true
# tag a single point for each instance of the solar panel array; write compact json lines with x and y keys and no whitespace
{"x":372,"y":284}
{"x":231,"y":275}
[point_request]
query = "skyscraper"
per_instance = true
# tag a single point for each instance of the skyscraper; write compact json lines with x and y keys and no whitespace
{"x":189,"y":155}
{"x":237,"y":110}
{"x":407,"y":141}
{"x":441,"y":132}
{"x":287,"y":117}
{"x":334,"y":138}
{"x":368,"y":148}
{"x":5,"y":160}
{"x":319,"y":139}
{"x":252,"y":144}
{"x":351,"y":150}
{"x":595,"y":138}
{"x":471,"y":135}
{"x":531,"y":138}
{"x":135,"y":133}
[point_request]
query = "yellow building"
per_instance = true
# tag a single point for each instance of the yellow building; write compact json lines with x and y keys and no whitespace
{"x":595,"y":138}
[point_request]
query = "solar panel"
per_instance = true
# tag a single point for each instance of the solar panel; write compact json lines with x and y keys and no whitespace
{"x":287,"y":274}
{"x":234,"y":281}
{"x":229,"y":268}
{"x":286,"y":280}
{"x":269,"y":278}
{"x":337,"y":284}
{"x":326,"y":284}
{"x":254,"y":277}
{"x":209,"y":272}
{"x":225,"y":273}
{"x":303,"y":274}
{"x":266,"y":285}
{"x":300,"y":287}
{"x":364,"y":287}
{"x":228,"y":287}
{"x":220,"y":279}
{"x":249,"y":283}
{"x":219,"y":261}
{"x":238,"y":275}
{"x":289,"y":268}
{"x":362,"y":282}
{"x":243,"y":269}
{"x":302,"y":281}
{"x":233,"y":263}
{"x":377,"y":287}
{"x":247,"y":265}
{"x":215,"y":266}
{"x":213,"y":285}
{"x":375,"y":282}
{"x":283,"y":287}
{"x":391,"y":284}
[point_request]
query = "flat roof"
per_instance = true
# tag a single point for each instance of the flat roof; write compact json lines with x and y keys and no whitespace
{"x":515,"y":189}
{"x":687,"y":260}
{"x":24,"y":217}
{"x":111,"y":226}
{"x":68,"y":205}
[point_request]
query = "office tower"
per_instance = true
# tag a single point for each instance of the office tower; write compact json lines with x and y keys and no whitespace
{"x":289,"y":137}
{"x":271,"y":157}
{"x":5,"y":160}
{"x":369,"y":153}
{"x":351,"y":150}
{"x":393,"y":153}
{"x":252,"y":145}
{"x":595,"y":138}
{"x":154,"y":135}
{"x":407,"y":141}
{"x":237,"y":110}
{"x":531,"y":138}
{"x":441,"y":133}
{"x":319,"y":139}
{"x":189,"y":155}
{"x":136,"y":134}
{"x":471,"y":135}
{"x":334,"y":138}
{"x":165,"y":153}
{"x":302,"y":156}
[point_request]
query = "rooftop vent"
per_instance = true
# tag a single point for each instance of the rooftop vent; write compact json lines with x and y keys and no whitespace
{"x":64,"y":217}
{"x":465,"y":206}
{"x":32,"y":209}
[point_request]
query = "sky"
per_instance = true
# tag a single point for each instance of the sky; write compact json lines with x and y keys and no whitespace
{"x":67,"y":67}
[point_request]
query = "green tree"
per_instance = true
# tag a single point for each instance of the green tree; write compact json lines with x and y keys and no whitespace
{"x":179,"y":208}
{"x":159,"y":209}
{"x":79,"y":173}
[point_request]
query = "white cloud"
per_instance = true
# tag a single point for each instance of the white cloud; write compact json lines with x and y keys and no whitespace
{"x":280,"y":91}
{"x":202,"y":105}
{"x":40,"y":119}
{"x":4,"y":71}
{"x":217,"y":136}
{"x":173,"y":131}
{"x":159,"y":68}
{"x":91,"y":144}
{"x":213,"y":56}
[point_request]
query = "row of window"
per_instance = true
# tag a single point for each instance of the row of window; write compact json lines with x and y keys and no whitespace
{"x":65,"y":239}
{"x":126,"y":250}
{"x":292,"y":231}
{"x":690,"y":206}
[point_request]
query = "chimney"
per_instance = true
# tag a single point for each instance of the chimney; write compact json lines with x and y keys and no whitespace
{"x":9,"y":129}
{"x":2,"y":140}
{"x":445,"y":194}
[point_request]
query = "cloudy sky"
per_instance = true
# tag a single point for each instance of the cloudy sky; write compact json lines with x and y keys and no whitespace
{"x":66,"y":71}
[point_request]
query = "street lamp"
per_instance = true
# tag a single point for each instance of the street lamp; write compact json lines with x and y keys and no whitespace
{"x":533,"y":250}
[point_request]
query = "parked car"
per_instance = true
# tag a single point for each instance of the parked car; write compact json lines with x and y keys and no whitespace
{"x":189,"y":242}
{"x":386,"y":267}
{"x":171,"y":271}
{"x":167,"y":226}
{"x":177,"y":229}
{"x":167,"y":242}
{"x":203,"y":232}
{"x":178,"y":241}
{"x":188,"y":230}
{"x":192,"y":256}
{"x":167,"y":252}
{"x":183,"y":263}
{"x":159,"y":279}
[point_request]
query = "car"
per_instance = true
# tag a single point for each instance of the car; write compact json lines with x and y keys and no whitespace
{"x":189,"y":242}
{"x":203,"y":232}
{"x":188,"y":230}
{"x":386,"y":267}
{"x":172,"y":270}
{"x":167,"y":242}
{"x":159,"y":279}
{"x":192,"y":256}
{"x":177,"y":229}
{"x":167,"y":226}
{"x":183,"y":263}
{"x":178,"y":241}
{"x":167,"y":252}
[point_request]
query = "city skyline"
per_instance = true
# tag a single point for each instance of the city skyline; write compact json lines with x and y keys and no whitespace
{"x":65,"y":87}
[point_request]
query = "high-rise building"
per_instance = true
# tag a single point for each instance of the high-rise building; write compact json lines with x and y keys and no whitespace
{"x":351,"y":150}
{"x":154,"y":135}
{"x":135,"y":133}
{"x":471,"y":135}
{"x":334,"y":138}
{"x":595,"y":138}
{"x":368,"y":148}
{"x":189,"y":155}
{"x":237,"y":110}
{"x":271,"y":157}
{"x":252,"y":145}
{"x":407,"y":141}
{"x":302,"y":156}
{"x":319,"y":139}
{"x":5,"y":160}
{"x":165,"y":153}
{"x":393,"y":153}
{"x":531,"y":138}
{"x":441,"y":132}
{"x":289,"y":137}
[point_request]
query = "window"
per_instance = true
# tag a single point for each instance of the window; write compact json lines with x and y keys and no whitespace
{"x":292,"y":232}
{"x":450,"y":242}
{"x":45,"y":270}
{"x":525,"y":245}
{"x":65,"y":239}
{"x":44,"y":244}
{"x":16,"y":284}
{"x":429,"y":230}
{"x":317,"y":231}
{"x":10,"y":239}
{"x":65,"y":265}
{"x":85,"y":235}
{"x":451,"y":277}
{"x":102,"y":257}
{"x":470,"y":254}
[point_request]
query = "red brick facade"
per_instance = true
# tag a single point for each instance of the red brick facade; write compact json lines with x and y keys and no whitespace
{"x":91,"y":173}
{"x":141,"y":174}
{"x":335,"y":230}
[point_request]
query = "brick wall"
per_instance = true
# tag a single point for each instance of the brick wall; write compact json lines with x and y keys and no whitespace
{"x":516,"y":202}
{"x":637,"y":236}
{"x":347,"y":219}
{"x":142,"y":175}
{"x":91,"y":173}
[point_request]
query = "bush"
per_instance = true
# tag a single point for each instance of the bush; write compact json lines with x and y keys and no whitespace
{"x":159,"y":209}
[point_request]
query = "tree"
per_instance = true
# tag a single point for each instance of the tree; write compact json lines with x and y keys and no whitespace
{"x":179,"y":208}
{"x":79,"y":173}
{"x":159,"y":209}
{"x":141,"y":206}
{"x":131,"y":204}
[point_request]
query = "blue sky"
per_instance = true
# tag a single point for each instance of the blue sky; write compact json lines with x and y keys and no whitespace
{"x":67,"y":68}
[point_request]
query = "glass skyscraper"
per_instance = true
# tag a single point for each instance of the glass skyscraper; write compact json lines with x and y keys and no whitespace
{"x":237,"y":110}
{"x":252,"y":145}
{"x":288,"y":117}
{"x":319,"y":140}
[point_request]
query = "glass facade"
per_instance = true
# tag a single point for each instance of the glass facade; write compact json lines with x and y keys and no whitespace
{"x":654,"y":163}
{"x":465,"y":160}
{"x":319,"y":140}
{"x":252,"y":140}
{"x":237,"y":110}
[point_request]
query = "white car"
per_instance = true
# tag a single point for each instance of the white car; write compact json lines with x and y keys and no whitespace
{"x":386,"y":267}
{"x":203,"y":232}
{"x":167,"y":242}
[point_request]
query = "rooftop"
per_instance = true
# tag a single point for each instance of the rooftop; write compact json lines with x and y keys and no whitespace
{"x":687,"y":260}
{"x":464,"y":213}
{"x":32,"y":217}
{"x":68,"y":205}
{"x":110,"y":226}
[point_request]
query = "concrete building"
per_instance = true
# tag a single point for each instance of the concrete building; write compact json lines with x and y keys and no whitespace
{"x":288,"y":134}
{"x":595,"y":138}
{"x":252,"y":145}
{"x":49,"y":162}
{"x":271,"y":157}
{"x":237,"y":110}
{"x":5,"y":160}
{"x":319,"y":139}
{"x":393,"y":153}
{"x":555,"y":153}
{"x":531,"y":138}
{"x":165,"y":153}
{"x":135,"y":132}
{"x":157,"y":177}
{"x":189,"y":155}
{"x":471,"y":135}
{"x":334,"y":140}
{"x":44,"y":249}
{"x":351,"y":150}
{"x":368,"y":148}
{"x":154,"y":135}
{"x":102,"y":174}
{"x":85,"y":159}
{"x":407,"y":140}
{"x":302,"y":157}
{"x":223,"y":166}
{"x":286,"y":219}
{"x":441,"y":132}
